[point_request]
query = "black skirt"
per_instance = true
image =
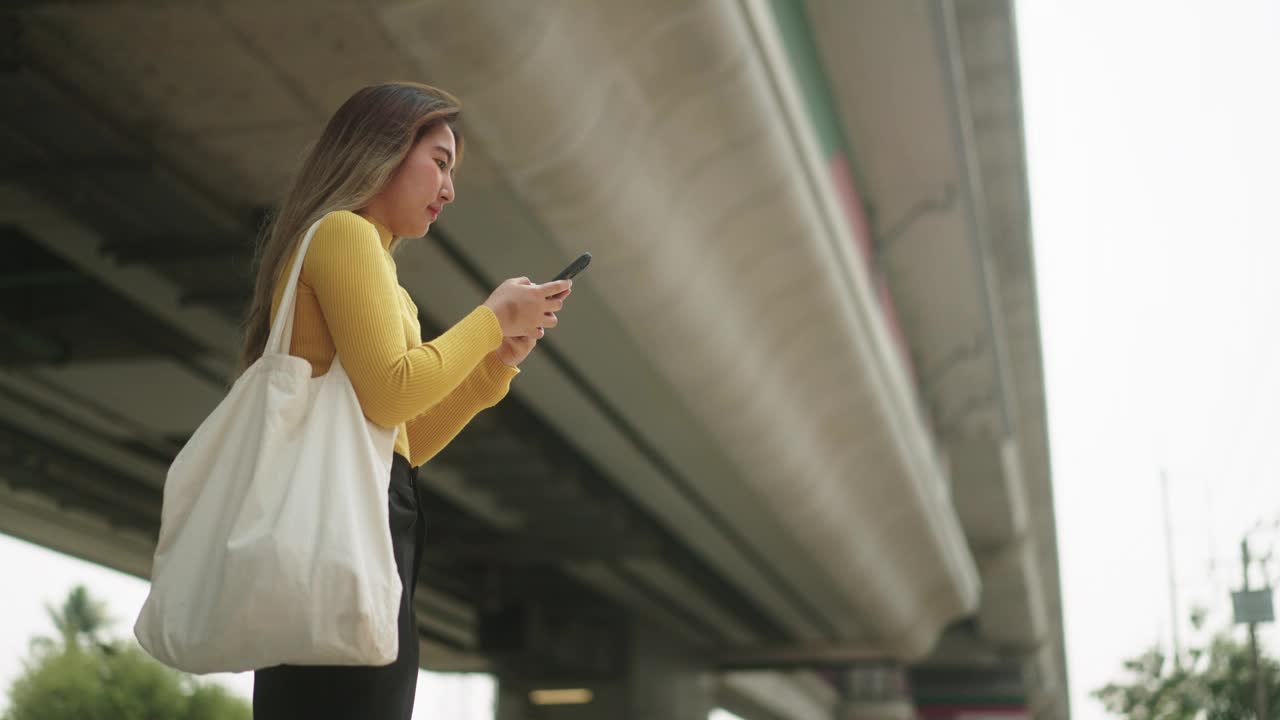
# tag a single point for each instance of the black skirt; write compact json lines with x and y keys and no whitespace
{"x":347,"y":692}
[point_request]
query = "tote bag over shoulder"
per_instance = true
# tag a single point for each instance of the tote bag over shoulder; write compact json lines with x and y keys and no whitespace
{"x":274,"y":542}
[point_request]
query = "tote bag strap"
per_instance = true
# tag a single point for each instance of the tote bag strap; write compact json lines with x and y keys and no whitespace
{"x":282,"y":328}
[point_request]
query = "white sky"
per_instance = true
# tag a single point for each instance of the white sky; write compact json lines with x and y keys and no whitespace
{"x":1152,"y":130}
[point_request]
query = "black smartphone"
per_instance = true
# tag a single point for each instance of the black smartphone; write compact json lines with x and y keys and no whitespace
{"x":574,"y":267}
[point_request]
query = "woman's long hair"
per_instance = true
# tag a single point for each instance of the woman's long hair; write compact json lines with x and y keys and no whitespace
{"x":360,"y":149}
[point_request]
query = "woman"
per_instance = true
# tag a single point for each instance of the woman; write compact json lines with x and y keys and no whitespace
{"x":382,"y":171}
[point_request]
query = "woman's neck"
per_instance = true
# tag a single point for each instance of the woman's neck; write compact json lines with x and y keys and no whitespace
{"x":384,"y":232}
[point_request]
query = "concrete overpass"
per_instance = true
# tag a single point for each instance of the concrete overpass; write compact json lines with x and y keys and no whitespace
{"x":786,"y":454}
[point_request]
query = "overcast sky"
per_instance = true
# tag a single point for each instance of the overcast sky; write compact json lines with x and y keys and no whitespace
{"x":1152,"y":136}
{"x":1153,"y":131}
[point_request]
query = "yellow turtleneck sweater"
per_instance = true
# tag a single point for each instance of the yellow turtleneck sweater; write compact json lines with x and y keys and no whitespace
{"x":350,"y":302}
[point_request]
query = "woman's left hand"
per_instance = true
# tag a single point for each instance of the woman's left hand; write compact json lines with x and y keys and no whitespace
{"x":514,"y":350}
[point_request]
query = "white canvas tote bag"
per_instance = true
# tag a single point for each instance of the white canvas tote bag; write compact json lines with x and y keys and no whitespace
{"x":274,"y":541}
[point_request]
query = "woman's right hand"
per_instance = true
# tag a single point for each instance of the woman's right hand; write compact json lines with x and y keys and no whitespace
{"x":523,"y":307}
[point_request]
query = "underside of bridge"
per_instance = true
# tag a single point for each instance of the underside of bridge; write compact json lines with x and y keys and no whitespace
{"x":791,"y":433}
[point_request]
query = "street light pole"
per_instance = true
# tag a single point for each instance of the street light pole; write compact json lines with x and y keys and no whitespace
{"x":1259,"y":689}
{"x":1174,"y":618}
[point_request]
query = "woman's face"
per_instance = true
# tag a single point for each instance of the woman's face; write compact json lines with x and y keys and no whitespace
{"x":420,"y":188}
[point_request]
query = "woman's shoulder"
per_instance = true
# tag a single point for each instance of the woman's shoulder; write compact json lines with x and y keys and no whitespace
{"x":343,"y":242}
{"x":346,"y":224}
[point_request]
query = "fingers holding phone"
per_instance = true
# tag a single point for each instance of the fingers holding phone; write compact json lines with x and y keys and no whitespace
{"x":579,"y":264}
{"x":521,"y":306}
{"x":559,"y":299}
{"x":525,"y":309}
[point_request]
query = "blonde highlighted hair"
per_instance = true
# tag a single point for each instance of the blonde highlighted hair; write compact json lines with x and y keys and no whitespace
{"x":359,"y":151}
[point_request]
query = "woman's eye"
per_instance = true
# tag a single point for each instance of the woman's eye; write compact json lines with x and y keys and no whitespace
{"x":441,"y":164}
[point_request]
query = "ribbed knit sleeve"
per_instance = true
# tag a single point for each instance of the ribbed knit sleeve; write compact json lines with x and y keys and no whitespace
{"x":358,"y":293}
{"x":484,"y":387}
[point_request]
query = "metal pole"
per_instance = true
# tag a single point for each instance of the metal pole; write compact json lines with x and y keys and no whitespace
{"x":1259,"y":690}
{"x":1174,"y":618}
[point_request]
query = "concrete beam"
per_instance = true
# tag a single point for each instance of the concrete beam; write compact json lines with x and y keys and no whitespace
{"x":37,"y":519}
{"x":765,"y":657}
{"x":78,"y":244}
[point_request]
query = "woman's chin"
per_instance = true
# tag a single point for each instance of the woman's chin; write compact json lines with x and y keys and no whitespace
{"x":419,"y":230}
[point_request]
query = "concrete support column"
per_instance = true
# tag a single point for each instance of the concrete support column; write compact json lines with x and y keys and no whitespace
{"x":877,"y":710}
{"x":662,"y":680}
{"x":877,"y":692}
{"x":510,"y":702}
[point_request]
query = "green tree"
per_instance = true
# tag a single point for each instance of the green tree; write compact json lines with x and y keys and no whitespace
{"x":78,"y":620}
{"x":84,"y":678}
{"x":1214,"y":681}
